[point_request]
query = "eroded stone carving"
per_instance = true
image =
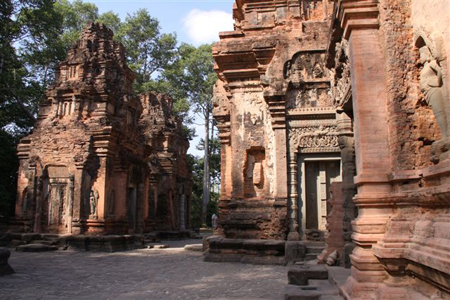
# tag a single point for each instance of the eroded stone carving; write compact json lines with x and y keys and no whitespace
{"x":340,"y":76}
{"x":314,"y":137}
{"x":93,"y":200}
{"x":432,"y":86}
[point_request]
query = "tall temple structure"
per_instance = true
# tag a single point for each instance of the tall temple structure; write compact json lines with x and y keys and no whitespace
{"x":338,"y":105}
{"x":277,"y":123}
{"x":271,"y":105}
{"x":100,"y":159}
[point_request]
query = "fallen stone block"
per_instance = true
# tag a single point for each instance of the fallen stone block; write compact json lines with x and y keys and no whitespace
{"x":5,"y":268}
{"x":36,"y":248}
{"x":294,"y":251}
{"x":194,"y":247}
{"x":157,"y":246}
{"x":5,"y":239}
{"x":299,"y":275}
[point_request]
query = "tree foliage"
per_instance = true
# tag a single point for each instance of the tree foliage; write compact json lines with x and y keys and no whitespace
{"x":27,"y":34}
{"x":148,"y":50}
{"x":196,"y":165}
{"x":192,"y":79}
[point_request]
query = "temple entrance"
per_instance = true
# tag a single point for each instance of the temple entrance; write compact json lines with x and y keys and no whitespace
{"x":55,"y":200}
{"x":316,"y":175}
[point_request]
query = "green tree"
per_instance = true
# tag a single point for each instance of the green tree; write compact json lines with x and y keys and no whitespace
{"x":111,"y":20}
{"x":28,"y":28}
{"x":214,"y":160}
{"x":75,"y":15}
{"x":192,"y":79}
{"x":34,"y":38}
{"x":149,"y":51}
{"x":196,"y":166}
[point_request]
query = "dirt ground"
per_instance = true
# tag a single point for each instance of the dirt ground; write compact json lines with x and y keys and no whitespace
{"x":172,"y":273}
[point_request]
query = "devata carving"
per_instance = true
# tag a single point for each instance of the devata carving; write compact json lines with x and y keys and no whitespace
{"x":432,"y":86}
{"x":93,"y":199}
{"x":340,"y":76}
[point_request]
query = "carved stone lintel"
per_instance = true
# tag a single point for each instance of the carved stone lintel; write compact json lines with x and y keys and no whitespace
{"x":317,"y":137}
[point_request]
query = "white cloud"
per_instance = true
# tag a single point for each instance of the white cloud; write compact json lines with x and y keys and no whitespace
{"x":204,"y":26}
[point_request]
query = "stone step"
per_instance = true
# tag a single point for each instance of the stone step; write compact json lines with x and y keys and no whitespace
{"x":311,"y":256}
{"x":314,"y":250}
{"x":36,"y":248}
{"x":156,"y":246}
{"x":331,"y":297}
{"x":294,"y":292}
{"x":320,"y":283}
{"x":300,"y":274}
{"x":46,"y":242}
{"x":194,"y":247}
{"x":338,"y":275}
{"x":155,"y":240}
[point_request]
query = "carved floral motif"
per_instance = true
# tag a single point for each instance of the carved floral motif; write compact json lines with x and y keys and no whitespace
{"x":321,"y":136}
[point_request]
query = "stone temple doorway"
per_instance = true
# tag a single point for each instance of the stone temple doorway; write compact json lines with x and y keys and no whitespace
{"x":317,"y":172}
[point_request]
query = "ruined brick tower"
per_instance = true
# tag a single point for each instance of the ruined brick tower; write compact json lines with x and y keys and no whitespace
{"x":88,"y":165}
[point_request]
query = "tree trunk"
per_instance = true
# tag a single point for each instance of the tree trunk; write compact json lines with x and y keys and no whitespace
{"x":206,"y":170}
{"x":212,"y":173}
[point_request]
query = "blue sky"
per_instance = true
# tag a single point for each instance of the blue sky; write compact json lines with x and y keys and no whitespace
{"x":194,"y":21}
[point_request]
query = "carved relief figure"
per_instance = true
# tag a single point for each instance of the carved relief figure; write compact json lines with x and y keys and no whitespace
{"x":24,"y":200}
{"x":93,"y":200}
{"x":431,"y":84}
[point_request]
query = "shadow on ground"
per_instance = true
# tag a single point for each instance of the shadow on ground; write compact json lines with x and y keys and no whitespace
{"x":172,"y":273}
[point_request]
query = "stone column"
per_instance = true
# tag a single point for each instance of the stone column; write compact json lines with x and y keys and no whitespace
{"x":277,"y":108}
{"x":347,"y":145}
{"x":223,"y":126}
{"x":293,"y":197}
{"x":78,"y":200}
{"x":39,"y":200}
{"x":70,"y":198}
{"x":359,"y":19}
{"x":139,"y":208}
{"x":155,"y":199}
{"x":182,"y":212}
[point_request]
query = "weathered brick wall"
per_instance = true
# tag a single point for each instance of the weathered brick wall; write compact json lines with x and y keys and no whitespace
{"x":412,"y":125}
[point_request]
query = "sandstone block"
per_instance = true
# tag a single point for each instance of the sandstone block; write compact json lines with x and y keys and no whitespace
{"x":294,"y":251}
{"x":299,"y":275}
{"x":36,"y":248}
{"x":5,"y":268}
